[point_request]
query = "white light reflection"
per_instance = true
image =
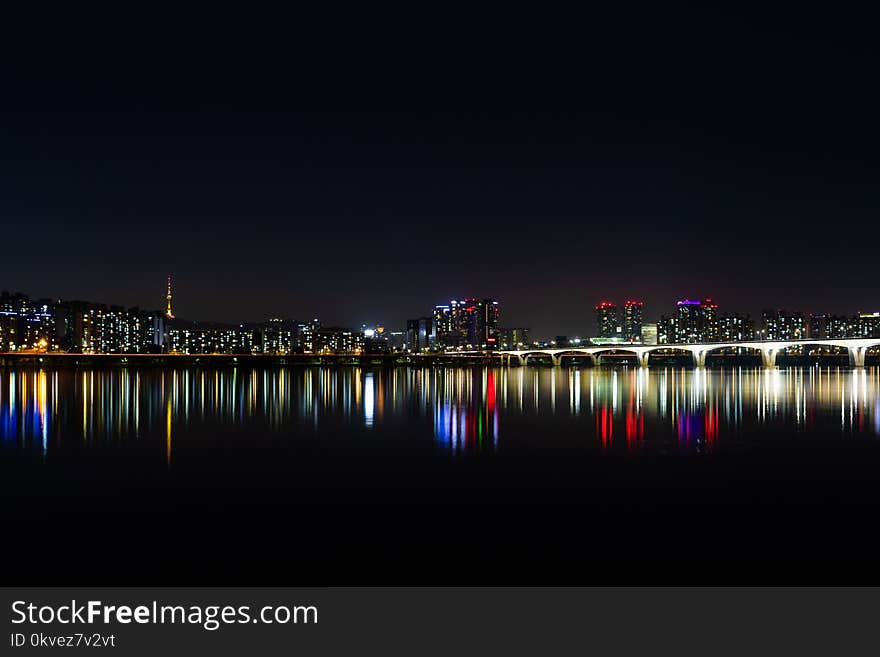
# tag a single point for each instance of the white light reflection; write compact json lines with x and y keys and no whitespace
{"x":369,"y":399}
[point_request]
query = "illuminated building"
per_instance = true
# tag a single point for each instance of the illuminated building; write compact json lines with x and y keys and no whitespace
{"x":455,"y":326}
{"x":735,"y":328}
{"x":337,"y":340}
{"x":821,"y":326}
{"x":376,"y":340}
{"x":607,"y":323}
{"x":156,"y":336}
{"x":784,"y":325}
{"x":465,"y":324}
{"x":667,"y":330}
{"x":868,"y":325}
{"x":100,"y":329}
{"x":514,"y":338}
{"x":818,"y":326}
{"x":465,"y":321}
{"x":418,"y":334}
{"x":839,"y":326}
{"x":648,"y":334}
{"x":198,"y":339}
{"x":710,"y":310}
{"x":304,"y":336}
{"x":444,"y":326}
{"x":632,"y":320}
{"x":8,"y":325}
{"x":277,"y":336}
{"x":81,"y":327}
{"x":396,"y":340}
{"x":694,"y":322}
{"x":26,"y":324}
{"x":485,"y":325}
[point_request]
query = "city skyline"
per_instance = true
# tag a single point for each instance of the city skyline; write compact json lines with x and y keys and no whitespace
{"x":465,"y":323}
{"x":573,"y":319}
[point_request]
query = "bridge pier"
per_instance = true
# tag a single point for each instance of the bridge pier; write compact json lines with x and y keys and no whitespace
{"x":699,"y":357}
{"x":768,"y":356}
{"x":644,"y":358}
{"x":857,"y":356}
{"x":556,"y":360}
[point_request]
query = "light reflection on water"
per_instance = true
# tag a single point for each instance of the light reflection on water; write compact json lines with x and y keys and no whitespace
{"x":462,"y":409}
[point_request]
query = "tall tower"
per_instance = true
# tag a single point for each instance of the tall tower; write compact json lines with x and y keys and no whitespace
{"x":168,"y":312}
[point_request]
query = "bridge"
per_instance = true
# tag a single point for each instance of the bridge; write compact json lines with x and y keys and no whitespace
{"x":768,"y":349}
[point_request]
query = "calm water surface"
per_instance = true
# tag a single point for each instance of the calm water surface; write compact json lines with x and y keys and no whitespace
{"x":456,"y":411}
{"x":459,"y":475}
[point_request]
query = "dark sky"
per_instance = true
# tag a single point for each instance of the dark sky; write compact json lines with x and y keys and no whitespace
{"x":364,"y":172}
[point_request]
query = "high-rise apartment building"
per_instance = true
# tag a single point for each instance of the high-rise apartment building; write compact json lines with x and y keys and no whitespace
{"x":649,"y":334}
{"x":607,"y":324}
{"x":444,"y":326}
{"x":632,"y":321}
{"x":485,"y":325}
{"x":868,"y":325}
{"x":694,"y":321}
{"x":467,"y":323}
{"x":784,"y":325}
{"x":735,"y":328}
{"x":514,"y":338}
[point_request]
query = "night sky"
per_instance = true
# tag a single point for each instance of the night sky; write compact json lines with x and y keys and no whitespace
{"x":364,"y":172}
